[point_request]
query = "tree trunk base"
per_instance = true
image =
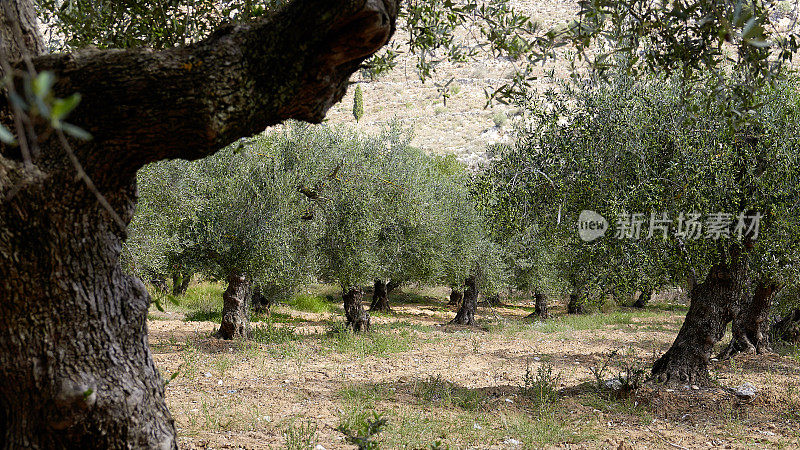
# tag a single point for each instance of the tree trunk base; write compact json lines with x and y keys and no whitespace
{"x":357,"y":318}
{"x":380,"y":297}
{"x":455,"y":298}
{"x":643,"y":300}
{"x":540,"y":310}
{"x":575,"y":306}
{"x":714,"y":303}
{"x":469,"y":304}
{"x":682,"y":366}
{"x":235,"y":323}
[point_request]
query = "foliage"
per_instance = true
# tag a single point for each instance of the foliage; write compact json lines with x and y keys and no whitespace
{"x":651,"y":147}
{"x":358,"y":103}
{"x":363,"y":434}
{"x":540,"y":387}
{"x":234,"y":212}
{"x":150,"y":23}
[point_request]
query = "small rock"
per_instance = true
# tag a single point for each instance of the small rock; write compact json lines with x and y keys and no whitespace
{"x":614,"y":384}
{"x":746,"y":391}
{"x":476,"y":426}
{"x":508,"y":400}
{"x":512,"y":442}
{"x":207,"y":374}
{"x":319,"y":447}
{"x":536,"y":358}
{"x":695,"y":387}
{"x":219,"y":383}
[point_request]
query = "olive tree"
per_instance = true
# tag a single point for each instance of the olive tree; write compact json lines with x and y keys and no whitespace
{"x":75,"y":367}
{"x":650,"y":147}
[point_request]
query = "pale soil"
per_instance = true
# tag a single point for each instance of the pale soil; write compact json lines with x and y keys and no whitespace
{"x":247,"y":395}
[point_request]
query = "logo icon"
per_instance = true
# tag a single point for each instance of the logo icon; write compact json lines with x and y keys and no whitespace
{"x":591,"y":225}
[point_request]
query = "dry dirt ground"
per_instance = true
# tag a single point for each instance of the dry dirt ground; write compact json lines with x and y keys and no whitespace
{"x":463,"y":387}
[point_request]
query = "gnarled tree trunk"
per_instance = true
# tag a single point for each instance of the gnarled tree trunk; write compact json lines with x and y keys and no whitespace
{"x":714,"y":303}
{"x":644,"y":298}
{"x":540,"y":307}
{"x":380,"y":297}
{"x":235,"y":308}
{"x":788,"y":328}
{"x":357,"y":318}
{"x":469,"y":304}
{"x":456,"y":297}
{"x":75,"y":367}
{"x":575,"y":305}
{"x":750,"y":328}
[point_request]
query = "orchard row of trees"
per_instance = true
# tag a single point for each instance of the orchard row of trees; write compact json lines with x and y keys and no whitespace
{"x":656,"y":146}
{"x":311,"y":202}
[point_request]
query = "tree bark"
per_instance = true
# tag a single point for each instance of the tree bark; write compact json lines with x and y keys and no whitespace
{"x":540,"y":307}
{"x":235,"y":308}
{"x":380,"y":297}
{"x":260,"y":302}
{"x":644,"y":298}
{"x":357,"y":318}
{"x":456,"y":297}
{"x":750,"y":328}
{"x":75,"y":367}
{"x":575,"y":305}
{"x":391,"y":286}
{"x":469,"y":304}
{"x":714,"y":303}
{"x":788,"y":328}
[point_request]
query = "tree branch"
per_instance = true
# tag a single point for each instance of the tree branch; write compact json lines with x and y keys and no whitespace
{"x":142,"y":105}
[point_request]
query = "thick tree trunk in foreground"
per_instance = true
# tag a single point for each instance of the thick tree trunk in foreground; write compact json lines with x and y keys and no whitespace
{"x":750,"y":328}
{"x":456,"y":297}
{"x":540,"y":307}
{"x":788,"y":328}
{"x":235,"y":308}
{"x":75,"y":367}
{"x":644,"y":298}
{"x":357,"y":318}
{"x":469,"y":304}
{"x":575,"y":305}
{"x":714,"y":303}
{"x":380,"y":297}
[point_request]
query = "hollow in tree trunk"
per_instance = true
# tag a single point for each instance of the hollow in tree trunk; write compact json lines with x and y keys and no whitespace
{"x":750,"y":328}
{"x":235,"y":308}
{"x":469,"y":304}
{"x":540,"y":307}
{"x":644,"y":298}
{"x":357,"y":318}
{"x":576,"y":305}
{"x":456,"y":297}
{"x":380,"y":297}
{"x":714,"y":303}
